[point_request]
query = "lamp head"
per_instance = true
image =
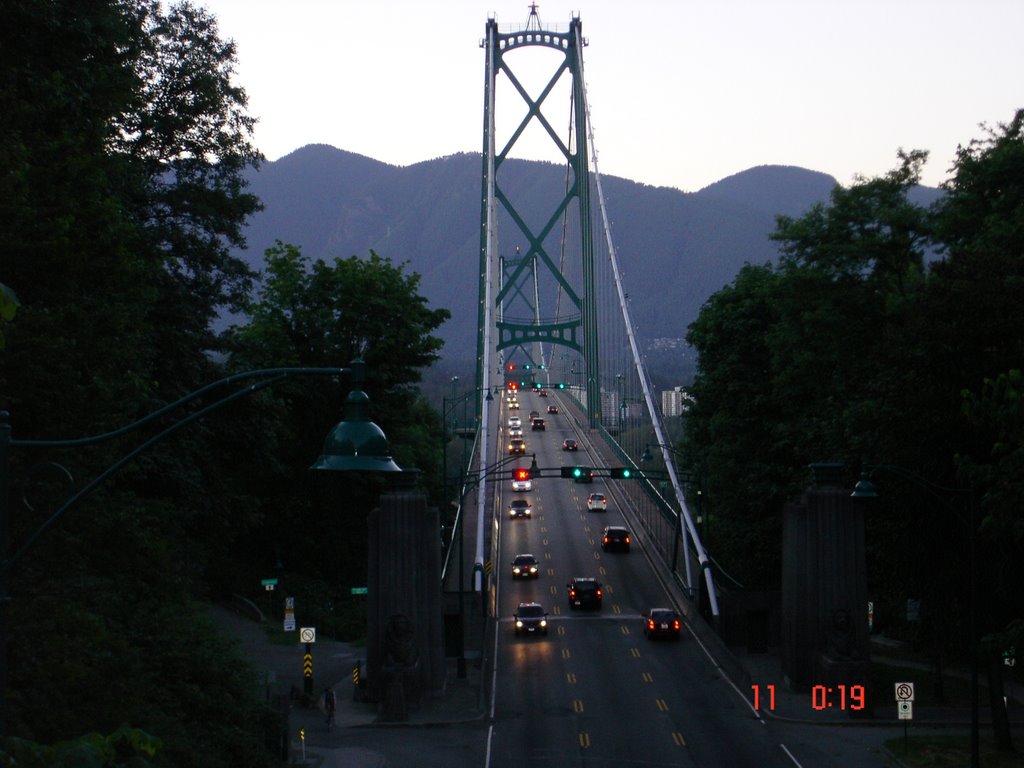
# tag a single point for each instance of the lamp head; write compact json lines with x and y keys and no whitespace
{"x":864,"y":489}
{"x":356,"y":444}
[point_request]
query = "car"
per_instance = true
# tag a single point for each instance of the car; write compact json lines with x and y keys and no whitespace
{"x":537,"y":424}
{"x":615,"y":537}
{"x":584,"y":592}
{"x":586,"y":475}
{"x":515,"y":431}
{"x":662,"y":622}
{"x":596,"y":502}
{"x":531,"y":619}
{"x":525,"y":566}
{"x":524,"y":484}
{"x":552,"y":409}
{"x":519,"y":508}
{"x":513,"y":405}
{"x":516,"y":445}
{"x":569,"y":445}
{"x":515,"y":421}
{"x":534,"y":414}
{"x":542,"y":393}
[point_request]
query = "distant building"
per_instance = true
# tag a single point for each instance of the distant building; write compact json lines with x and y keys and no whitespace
{"x":675,"y":402}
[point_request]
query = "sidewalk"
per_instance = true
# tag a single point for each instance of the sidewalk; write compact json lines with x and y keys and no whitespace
{"x":281,"y":667}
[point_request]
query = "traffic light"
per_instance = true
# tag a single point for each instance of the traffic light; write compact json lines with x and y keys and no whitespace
{"x":522,"y":474}
{"x":561,"y":385}
{"x":579,"y":474}
{"x":623,"y":473}
{"x":510,"y":367}
{"x":537,"y":385}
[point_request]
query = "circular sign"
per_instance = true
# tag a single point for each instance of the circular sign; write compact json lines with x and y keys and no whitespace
{"x":307,"y":635}
{"x":904,"y":691}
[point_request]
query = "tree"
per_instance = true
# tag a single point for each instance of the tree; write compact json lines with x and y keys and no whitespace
{"x":317,"y":314}
{"x":121,"y":191}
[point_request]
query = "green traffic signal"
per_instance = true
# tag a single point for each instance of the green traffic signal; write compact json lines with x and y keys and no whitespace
{"x":623,"y":473}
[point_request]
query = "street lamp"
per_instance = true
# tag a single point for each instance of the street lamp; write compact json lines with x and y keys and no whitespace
{"x":865,"y":489}
{"x":448,"y":407}
{"x":355,"y":444}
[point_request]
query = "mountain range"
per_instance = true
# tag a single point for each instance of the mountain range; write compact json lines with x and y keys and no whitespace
{"x":675,"y":248}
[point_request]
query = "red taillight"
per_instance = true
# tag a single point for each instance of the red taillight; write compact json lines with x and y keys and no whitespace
{"x":650,"y":623}
{"x":599,"y":593}
{"x":627,"y":539}
{"x":676,"y":623}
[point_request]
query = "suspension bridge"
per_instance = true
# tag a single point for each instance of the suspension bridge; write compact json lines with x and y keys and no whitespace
{"x":554,"y":318}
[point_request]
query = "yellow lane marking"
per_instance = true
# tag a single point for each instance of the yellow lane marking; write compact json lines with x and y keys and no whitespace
{"x":577,"y":706}
{"x":584,"y":740}
{"x":646,"y":677}
{"x":566,"y":653}
{"x":678,"y":739}
{"x":634,"y":652}
{"x":570,"y":678}
{"x":662,"y":705}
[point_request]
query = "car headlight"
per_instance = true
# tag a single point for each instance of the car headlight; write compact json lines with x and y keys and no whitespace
{"x":519,"y":623}
{"x":543,"y":622}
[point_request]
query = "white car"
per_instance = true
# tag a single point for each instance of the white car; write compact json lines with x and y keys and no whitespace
{"x":597,"y":502}
{"x":515,"y":421}
{"x":522,"y":485}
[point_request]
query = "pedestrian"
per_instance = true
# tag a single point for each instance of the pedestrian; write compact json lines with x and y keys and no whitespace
{"x":330,"y":703}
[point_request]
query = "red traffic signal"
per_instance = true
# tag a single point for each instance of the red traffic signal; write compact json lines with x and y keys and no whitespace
{"x":522,"y":474}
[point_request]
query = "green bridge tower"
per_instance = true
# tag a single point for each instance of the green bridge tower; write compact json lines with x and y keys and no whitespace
{"x":538,"y":292}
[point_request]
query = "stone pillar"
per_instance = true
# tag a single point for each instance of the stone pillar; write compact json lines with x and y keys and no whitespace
{"x":824,"y":587}
{"x":405,"y":618}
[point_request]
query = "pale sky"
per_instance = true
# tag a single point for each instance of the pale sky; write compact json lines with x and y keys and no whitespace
{"x":682,"y":93}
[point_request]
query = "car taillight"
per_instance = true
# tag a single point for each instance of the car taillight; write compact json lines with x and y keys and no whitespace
{"x":599,"y":593}
{"x":675,"y":624}
{"x":650,"y":623}
{"x":627,"y":539}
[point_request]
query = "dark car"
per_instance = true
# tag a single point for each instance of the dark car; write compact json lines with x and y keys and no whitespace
{"x":569,"y":445}
{"x":531,"y":619}
{"x":615,"y":538}
{"x":584,"y":592}
{"x":516,"y":445}
{"x":519,"y":508}
{"x":537,"y":423}
{"x":552,"y":409}
{"x":542,"y":393}
{"x":662,"y":622}
{"x":525,"y":566}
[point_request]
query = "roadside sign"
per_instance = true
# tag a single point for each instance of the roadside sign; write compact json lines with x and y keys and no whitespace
{"x":904,"y":691}
{"x":269,"y":584}
{"x":307,"y":635}
{"x":289,"y":622}
{"x":360,"y":590}
{"x":905,"y":709}
{"x":289,"y":603}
